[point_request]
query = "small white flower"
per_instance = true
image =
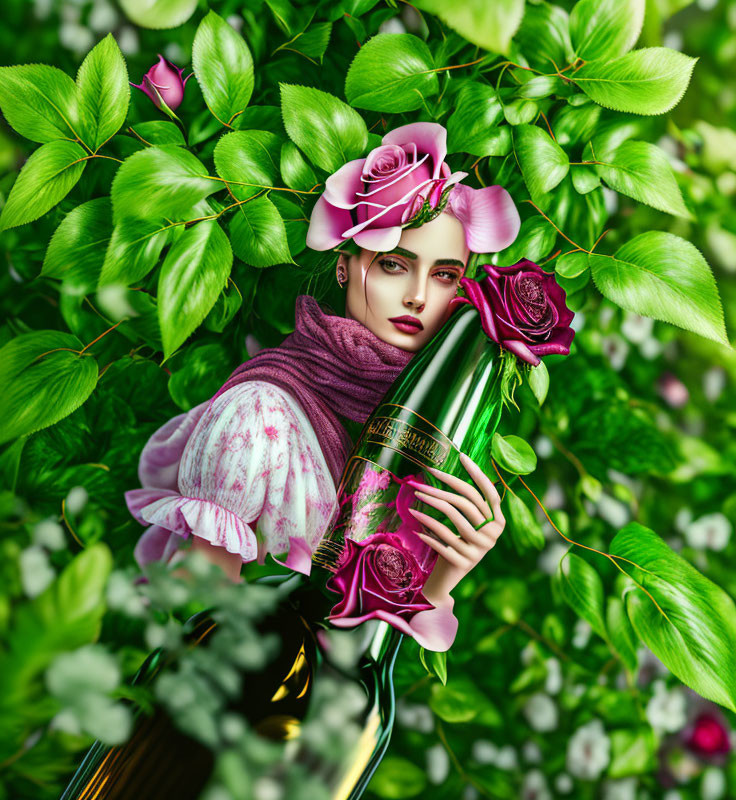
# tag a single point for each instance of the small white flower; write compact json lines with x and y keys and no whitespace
{"x":615,"y":349}
{"x":393,"y":25}
{"x":128,"y":40}
{"x":35,"y":571}
{"x":581,"y":634}
{"x":76,"y":500}
{"x":651,"y":348}
{"x":484,"y":752}
{"x":75,"y":37}
{"x":613,"y":511}
{"x":266,"y":788}
{"x":610,"y":198}
{"x":588,"y":751}
{"x":563,"y":783}
{"x":543,"y":446}
{"x":624,"y":789}
{"x":49,"y":534}
{"x":534,"y":786}
{"x":673,"y":40}
{"x":415,"y":717}
{"x":531,"y":753}
{"x":438,"y":764}
{"x":666,"y":710}
{"x":103,"y":17}
{"x":553,"y":681}
{"x":714,"y":382}
{"x":636,"y":328}
{"x":672,"y":794}
{"x":554,"y":497}
{"x":707,"y":5}
{"x":578,"y":321}
{"x":235,"y":21}
{"x":683,"y":518}
{"x":606,"y":313}
{"x":713,"y":784}
{"x":549,"y":558}
{"x":712,"y":531}
{"x":541,"y":712}
{"x":506,"y":758}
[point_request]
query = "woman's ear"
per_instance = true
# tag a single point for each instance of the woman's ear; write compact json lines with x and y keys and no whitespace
{"x":342,"y":270}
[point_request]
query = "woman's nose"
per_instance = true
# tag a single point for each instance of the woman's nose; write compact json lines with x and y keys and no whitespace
{"x":415,"y":298}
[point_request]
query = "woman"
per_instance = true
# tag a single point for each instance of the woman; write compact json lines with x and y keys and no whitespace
{"x":255,"y":469}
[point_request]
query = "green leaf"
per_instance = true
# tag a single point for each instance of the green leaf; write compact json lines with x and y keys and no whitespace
{"x":104,"y":92}
{"x":508,"y":598}
{"x":473,"y":126}
{"x":65,"y":616}
{"x":687,"y":621}
{"x":312,"y":43}
{"x":40,"y":387}
{"x":633,"y":752}
{"x":391,"y":72}
{"x":525,"y":531}
{"x":158,"y":131}
{"x":258,"y":234}
{"x":571,"y":265}
{"x":582,"y":589}
{"x":435,"y":663}
{"x":295,"y":221}
{"x":605,"y":28}
{"x":133,"y":251}
{"x":585,"y":179}
{"x":621,"y":633}
{"x":535,"y":241}
{"x":295,"y":171}
{"x":459,"y":701}
{"x":39,"y":101}
{"x":397,"y":778}
{"x":513,"y":454}
{"x":77,"y":248}
{"x":327,"y":130}
{"x":223,"y":67}
{"x":160,"y":182}
{"x":544,"y":37}
{"x":520,"y":111}
{"x":193,"y":274}
{"x":540,"y":86}
{"x":660,"y":275}
{"x":206,"y":367}
{"x":647,"y":81}
{"x":488,"y":25}
{"x":46,"y":178}
{"x":543,"y":162}
{"x":575,"y":124}
{"x":249,"y":157}
{"x":539,"y":381}
{"x":158,"y":14}
{"x":641,"y":170}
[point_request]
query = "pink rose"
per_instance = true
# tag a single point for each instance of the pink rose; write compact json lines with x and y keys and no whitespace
{"x":163,"y":83}
{"x":707,"y":736}
{"x":369,"y":199}
{"x":523,"y":308}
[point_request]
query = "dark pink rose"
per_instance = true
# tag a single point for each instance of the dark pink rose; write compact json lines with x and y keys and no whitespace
{"x":163,"y":82}
{"x":523,"y":308}
{"x":707,"y":736}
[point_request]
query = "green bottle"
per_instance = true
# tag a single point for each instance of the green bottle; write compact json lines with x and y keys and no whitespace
{"x":447,"y":400}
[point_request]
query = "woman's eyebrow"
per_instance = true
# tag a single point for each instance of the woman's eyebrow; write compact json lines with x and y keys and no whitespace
{"x":452,"y":262}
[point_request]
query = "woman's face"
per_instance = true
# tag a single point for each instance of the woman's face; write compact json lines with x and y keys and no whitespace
{"x":416,"y":280}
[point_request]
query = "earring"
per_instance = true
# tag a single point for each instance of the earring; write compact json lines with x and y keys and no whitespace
{"x":341,"y":275}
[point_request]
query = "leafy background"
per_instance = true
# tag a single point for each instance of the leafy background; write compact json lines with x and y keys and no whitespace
{"x":139,"y":284}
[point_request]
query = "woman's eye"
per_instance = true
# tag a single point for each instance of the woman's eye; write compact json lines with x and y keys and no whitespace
{"x":451,"y":274}
{"x":391,"y":266}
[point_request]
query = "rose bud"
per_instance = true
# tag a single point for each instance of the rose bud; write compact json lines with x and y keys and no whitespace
{"x":163,"y":84}
{"x":707,"y":736}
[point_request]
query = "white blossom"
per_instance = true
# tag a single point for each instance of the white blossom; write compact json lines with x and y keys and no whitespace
{"x":438,"y":764}
{"x":128,"y":40}
{"x":636,"y":328}
{"x":615,"y":349}
{"x":554,"y":496}
{"x":624,"y":789}
{"x":672,"y":794}
{"x":683,"y":518}
{"x":613,"y":511}
{"x":610,"y":198}
{"x":713,"y":784}
{"x":543,"y":446}
{"x":534,"y":786}
{"x":75,"y":37}
{"x":506,"y":758}
{"x":711,"y":531}
{"x":588,"y":751}
{"x":392,"y":25}
{"x":666,"y":710}
{"x":531,"y":753}
{"x":76,"y":500}
{"x":581,"y":634}
{"x":267,"y":788}
{"x":651,"y":348}
{"x":484,"y":752}
{"x":103,"y":17}
{"x":578,"y":321}
{"x":563,"y":783}
{"x":415,"y":717}
{"x":549,"y":558}
{"x":714,"y":382}
{"x":553,"y":681}
{"x":35,"y":571}
{"x":541,"y":712}
{"x":49,"y":534}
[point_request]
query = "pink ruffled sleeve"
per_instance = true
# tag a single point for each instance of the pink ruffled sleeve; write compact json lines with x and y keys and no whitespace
{"x":245,"y":473}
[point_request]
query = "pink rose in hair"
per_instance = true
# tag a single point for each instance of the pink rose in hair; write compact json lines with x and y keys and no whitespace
{"x":372,"y":199}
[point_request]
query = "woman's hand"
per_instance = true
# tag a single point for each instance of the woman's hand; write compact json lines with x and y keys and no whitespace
{"x":465,"y":508}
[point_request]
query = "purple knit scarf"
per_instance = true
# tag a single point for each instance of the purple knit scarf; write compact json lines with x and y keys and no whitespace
{"x":329,"y":364}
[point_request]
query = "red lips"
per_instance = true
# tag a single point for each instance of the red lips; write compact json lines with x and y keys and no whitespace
{"x":407,"y":320}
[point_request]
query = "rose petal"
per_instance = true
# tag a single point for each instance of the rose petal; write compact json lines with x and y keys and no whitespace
{"x":341,"y":186}
{"x":522,"y":351}
{"x":429,"y":137}
{"x":488,"y":215}
{"x":379,"y":240}
{"x":326,"y":225}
